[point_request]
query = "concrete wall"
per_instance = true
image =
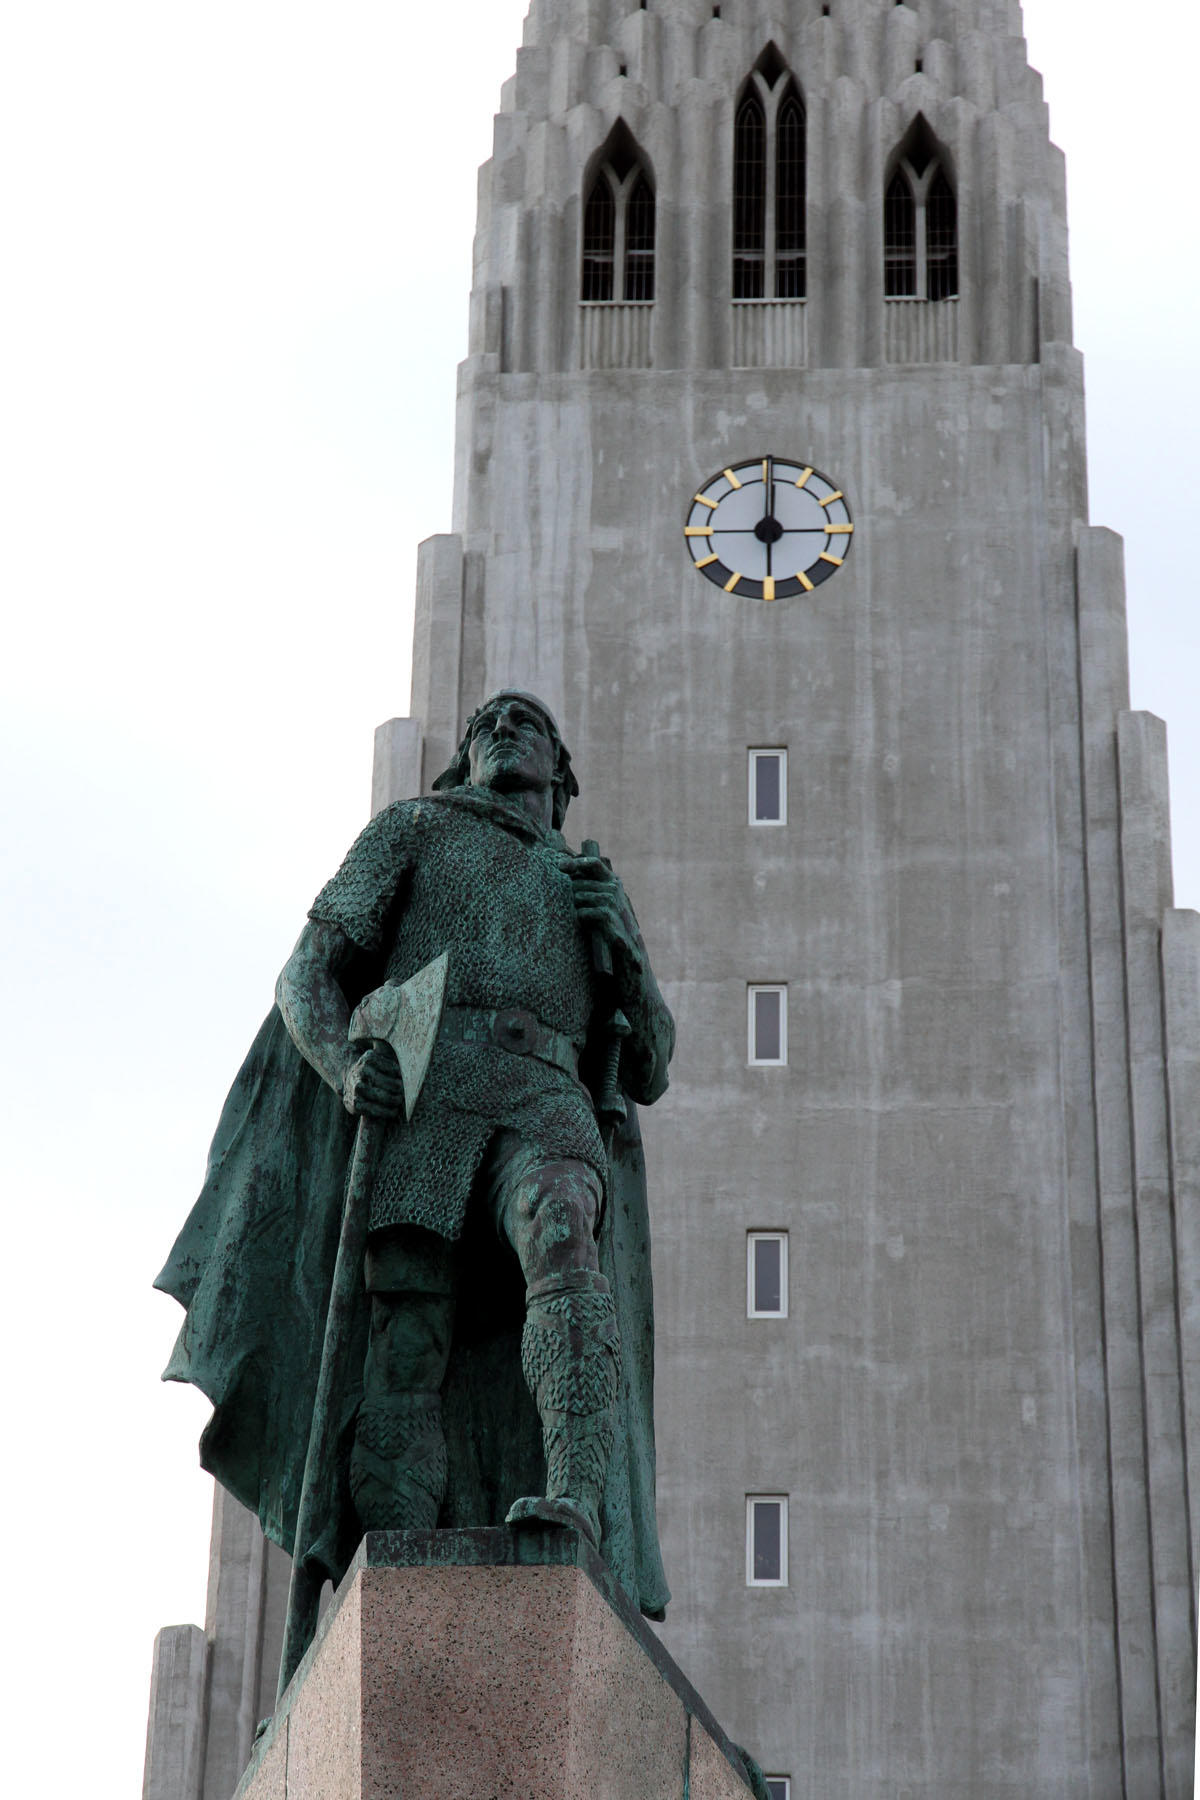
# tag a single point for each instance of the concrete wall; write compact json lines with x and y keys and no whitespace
{"x":977,"y":1403}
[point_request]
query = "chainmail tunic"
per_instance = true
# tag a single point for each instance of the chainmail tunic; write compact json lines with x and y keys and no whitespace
{"x":470,"y":874}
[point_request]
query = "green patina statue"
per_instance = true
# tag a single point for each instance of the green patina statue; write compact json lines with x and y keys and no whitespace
{"x":417,"y":1279}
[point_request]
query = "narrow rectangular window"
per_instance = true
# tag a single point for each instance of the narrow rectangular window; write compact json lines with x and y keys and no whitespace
{"x":766,"y":1275}
{"x":779,"y":1787}
{"x":768,"y":1025}
{"x":768,"y":787}
{"x":766,"y":1540}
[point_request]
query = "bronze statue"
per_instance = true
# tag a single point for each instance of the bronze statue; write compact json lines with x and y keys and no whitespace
{"x":457,"y":1026}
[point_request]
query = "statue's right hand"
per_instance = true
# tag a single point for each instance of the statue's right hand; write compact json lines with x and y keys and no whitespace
{"x":373,"y":1085}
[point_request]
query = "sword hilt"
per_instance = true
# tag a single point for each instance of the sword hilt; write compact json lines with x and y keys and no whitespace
{"x":612,"y":1101}
{"x":601,"y":950}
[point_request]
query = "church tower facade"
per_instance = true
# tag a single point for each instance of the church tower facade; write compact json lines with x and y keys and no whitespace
{"x":926,"y":1514}
{"x":771,"y":479}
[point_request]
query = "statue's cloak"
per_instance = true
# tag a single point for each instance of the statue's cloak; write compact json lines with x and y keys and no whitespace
{"x":253,"y":1267}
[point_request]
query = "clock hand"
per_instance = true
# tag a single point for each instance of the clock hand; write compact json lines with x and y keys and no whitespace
{"x":768,"y":531}
{"x":770,"y":510}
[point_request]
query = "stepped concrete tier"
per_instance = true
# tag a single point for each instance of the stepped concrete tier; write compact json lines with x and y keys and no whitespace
{"x":489,"y":1665}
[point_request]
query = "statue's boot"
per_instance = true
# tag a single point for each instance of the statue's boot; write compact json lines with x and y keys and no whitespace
{"x":571,"y":1356}
{"x":398,"y":1462}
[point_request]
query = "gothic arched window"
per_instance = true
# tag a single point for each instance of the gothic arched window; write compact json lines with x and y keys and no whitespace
{"x":639,"y":241}
{"x":920,"y":224}
{"x":899,"y":239}
{"x":618,"y":225}
{"x":749,"y":200}
{"x":791,"y":194}
{"x":941,"y":239}
{"x":599,"y":240}
{"x":769,"y":185}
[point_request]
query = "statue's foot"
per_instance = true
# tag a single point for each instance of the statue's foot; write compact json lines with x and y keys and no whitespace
{"x":536,"y":1509}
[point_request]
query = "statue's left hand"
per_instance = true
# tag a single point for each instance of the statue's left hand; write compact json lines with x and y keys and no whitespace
{"x":601,"y":906}
{"x":372,"y":1084}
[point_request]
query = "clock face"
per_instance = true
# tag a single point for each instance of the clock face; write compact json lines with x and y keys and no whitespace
{"x":769,"y":529}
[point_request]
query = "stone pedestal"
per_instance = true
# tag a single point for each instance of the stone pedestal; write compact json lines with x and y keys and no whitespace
{"x":489,"y":1665}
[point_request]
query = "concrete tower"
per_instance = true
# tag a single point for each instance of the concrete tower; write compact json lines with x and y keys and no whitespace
{"x":939,"y":1025}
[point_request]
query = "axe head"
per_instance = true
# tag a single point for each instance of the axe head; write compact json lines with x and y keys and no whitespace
{"x":407,"y":1016}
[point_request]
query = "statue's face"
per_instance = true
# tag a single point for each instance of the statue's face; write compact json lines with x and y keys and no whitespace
{"x":511,"y":748}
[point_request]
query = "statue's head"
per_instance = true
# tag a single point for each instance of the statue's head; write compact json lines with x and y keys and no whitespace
{"x":512,"y":741}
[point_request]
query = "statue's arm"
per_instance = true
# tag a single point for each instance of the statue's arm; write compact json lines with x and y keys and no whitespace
{"x":602,"y":907}
{"x":651,"y":1042}
{"x":317,"y":1014}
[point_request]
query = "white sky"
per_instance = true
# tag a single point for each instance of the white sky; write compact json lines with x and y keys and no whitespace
{"x":237,"y":254}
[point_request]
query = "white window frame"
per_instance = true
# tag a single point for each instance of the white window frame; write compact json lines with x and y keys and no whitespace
{"x":768,"y":1237}
{"x":753,"y":1500}
{"x":767,"y":1062}
{"x":779,"y":1787}
{"x":752,"y":786}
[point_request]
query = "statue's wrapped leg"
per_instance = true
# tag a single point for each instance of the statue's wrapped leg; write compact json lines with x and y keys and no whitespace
{"x":570,"y":1353}
{"x":398,"y":1461}
{"x":570,"y":1348}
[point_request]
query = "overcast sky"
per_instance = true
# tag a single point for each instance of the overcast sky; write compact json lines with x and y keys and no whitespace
{"x":237,"y":250}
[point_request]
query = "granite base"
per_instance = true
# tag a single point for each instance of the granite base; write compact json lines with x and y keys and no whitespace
{"x":488,"y":1665}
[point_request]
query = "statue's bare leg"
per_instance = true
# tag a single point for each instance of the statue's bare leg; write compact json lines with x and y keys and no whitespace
{"x":570,"y":1349}
{"x":398,"y":1462}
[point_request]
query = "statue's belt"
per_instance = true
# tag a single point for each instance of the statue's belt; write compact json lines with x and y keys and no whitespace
{"x":509,"y":1028}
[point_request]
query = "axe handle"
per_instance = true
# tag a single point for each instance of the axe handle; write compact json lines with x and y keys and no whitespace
{"x":304,"y":1591}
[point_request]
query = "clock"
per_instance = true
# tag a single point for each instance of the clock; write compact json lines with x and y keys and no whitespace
{"x":769,"y":529}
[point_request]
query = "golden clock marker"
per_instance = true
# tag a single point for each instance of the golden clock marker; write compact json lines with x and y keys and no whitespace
{"x":732,"y":583}
{"x":830,"y":498}
{"x":703,"y":500}
{"x":805,"y":583}
{"x":833,"y":530}
{"x":803,"y":481}
{"x":697,"y":531}
{"x":731,"y":478}
{"x":768,"y":587}
{"x":702,"y":562}
{"x":835,"y":560}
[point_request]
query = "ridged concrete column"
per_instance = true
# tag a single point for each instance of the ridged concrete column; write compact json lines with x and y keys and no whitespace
{"x":879,"y":136}
{"x":233,"y":1623}
{"x":970,"y":273}
{"x":994,"y":146}
{"x":1104,"y":690}
{"x":437,"y":647}
{"x":1146,"y":896}
{"x":705,"y":145}
{"x":938,"y":58}
{"x":845,"y":261}
{"x":472,"y":685}
{"x":817,"y":173}
{"x":175,"y":1733}
{"x":902,"y":40}
{"x":976,"y":70}
{"x":396,"y":768}
{"x":673,"y":251}
{"x":1181,"y":998}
